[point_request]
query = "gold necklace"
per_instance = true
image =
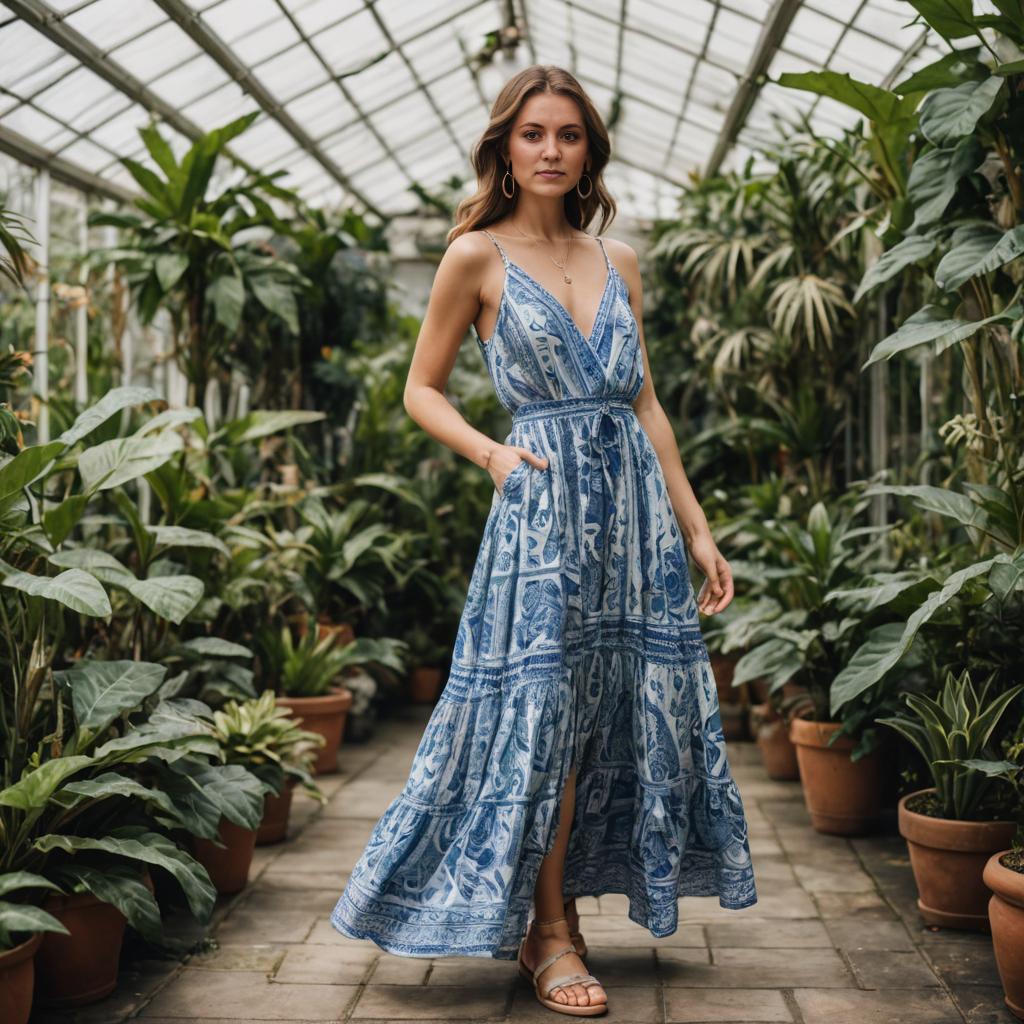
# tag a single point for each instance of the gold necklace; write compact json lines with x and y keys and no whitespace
{"x":561,"y":266}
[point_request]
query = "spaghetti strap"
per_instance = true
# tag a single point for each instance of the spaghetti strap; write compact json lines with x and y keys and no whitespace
{"x":607,"y":261}
{"x":504,"y":258}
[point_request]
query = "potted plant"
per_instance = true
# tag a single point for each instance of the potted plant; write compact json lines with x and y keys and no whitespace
{"x":953,"y":827}
{"x":22,"y":925}
{"x":796,"y":636}
{"x":427,"y":656}
{"x":264,"y":738}
{"x":308,"y":678}
{"x":1004,"y":875}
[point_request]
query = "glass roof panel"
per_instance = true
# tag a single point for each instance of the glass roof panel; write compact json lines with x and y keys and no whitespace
{"x":388,"y":90}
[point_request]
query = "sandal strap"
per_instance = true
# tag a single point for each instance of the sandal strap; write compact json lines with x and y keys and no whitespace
{"x":571,"y":979}
{"x":549,"y":960}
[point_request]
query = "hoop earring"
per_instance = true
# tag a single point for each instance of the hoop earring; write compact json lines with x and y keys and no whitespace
{"x":589,"y":190}
{"x":508,"y":174}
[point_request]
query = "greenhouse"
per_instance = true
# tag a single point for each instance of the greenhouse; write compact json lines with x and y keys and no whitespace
{"x":512,"y":509}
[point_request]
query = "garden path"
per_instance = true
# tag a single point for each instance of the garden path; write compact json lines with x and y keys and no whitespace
{"x":834,"y":939}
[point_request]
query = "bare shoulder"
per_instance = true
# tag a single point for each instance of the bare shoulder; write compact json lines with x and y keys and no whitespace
{"x":468,"y":251}
{"x":624,"y":256}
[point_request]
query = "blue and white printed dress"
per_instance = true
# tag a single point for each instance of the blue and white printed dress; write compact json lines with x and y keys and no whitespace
{"x":579,"y":644}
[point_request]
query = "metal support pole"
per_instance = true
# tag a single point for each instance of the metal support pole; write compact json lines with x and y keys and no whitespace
{"x":41,"y":354}
{"x":82,"y":313}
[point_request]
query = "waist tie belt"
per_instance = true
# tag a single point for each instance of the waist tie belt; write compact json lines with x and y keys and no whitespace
{"x":597,"y":530}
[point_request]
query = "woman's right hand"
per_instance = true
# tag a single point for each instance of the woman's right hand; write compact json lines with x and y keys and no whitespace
{"x":505,"y":458}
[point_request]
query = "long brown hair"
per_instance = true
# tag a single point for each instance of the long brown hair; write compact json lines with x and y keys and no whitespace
{"x":489,"y":203}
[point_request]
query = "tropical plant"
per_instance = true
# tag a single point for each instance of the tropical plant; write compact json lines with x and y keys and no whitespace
{"x":192,"y":253}
{"x":952,"y":732}
{"x":14,"y":237}
{"x":310,"y":667}
{"x":21,"y":916}
{"x":789,"y":624}
{"x":265,"y":739}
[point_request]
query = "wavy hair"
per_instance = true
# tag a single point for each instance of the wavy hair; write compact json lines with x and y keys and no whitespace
{"x":489,"y":203}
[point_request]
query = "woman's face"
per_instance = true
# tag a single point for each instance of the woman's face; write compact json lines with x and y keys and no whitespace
{"x":548,"y":135}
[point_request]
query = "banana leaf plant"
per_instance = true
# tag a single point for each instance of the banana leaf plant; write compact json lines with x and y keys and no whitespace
{"x":952,"y":733}
{"x":192,"y":253}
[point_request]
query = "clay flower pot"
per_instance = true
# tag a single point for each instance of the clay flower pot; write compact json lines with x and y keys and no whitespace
{"x":324,"y":715}
{"x":81,"y":967}
{"x":843,"y":797}
{"x":17,"y":977}
{"x":274,"y":826}
{"x":424,"y":684}
{"x":777,"y":751}
{"x":948,"y":858}
{"x":1006,"y":918}
{"x":228,"y":865}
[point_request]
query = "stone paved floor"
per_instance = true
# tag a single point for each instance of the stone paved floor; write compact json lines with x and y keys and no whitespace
{"x":834,"y":939}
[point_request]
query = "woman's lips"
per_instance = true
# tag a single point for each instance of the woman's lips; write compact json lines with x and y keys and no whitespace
{"x":550,"y":174}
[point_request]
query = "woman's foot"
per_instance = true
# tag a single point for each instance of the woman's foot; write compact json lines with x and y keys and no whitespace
{"x":544,"y":939}
{"x":573,"y":920}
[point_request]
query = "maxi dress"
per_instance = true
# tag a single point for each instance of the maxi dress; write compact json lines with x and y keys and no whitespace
{"x":579,"y":644}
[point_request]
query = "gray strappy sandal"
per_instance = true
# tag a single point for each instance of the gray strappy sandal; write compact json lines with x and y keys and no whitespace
{"x":594,"y":1010}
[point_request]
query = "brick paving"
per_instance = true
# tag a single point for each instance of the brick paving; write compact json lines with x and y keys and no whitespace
{"x":834,"y":939}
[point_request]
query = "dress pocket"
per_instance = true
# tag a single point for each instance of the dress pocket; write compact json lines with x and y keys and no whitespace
{"x":514,"y":477}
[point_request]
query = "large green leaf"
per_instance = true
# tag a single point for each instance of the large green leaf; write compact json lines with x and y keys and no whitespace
{"x":58,"y":522}
{"x":110,"y":784}
{"x":953,"y":19}
{"x":26,"y":467}
{"x":14,"y":881}
{"x":934,"y":177}
{"x":885,"y":588}
{"x":101,"y":690}
{"x":21,"y":917}
{"x":931,"y":325}
{"x":183,"y":537}
{"x":102,"y":564}
{"x":977,"y":249}
{"x":216,"y":647}
{"x":950,"y":114}
{"x":31,"y":793}
{"x":950,"y":69}
{"x":171,"y":597}
{"x":262,"y":422}
{"x":113,"y":401}
{"x":169,"y":268}
{"x":236,"y":793}
{"x":115,"y":462}
{"x":278,"y":298}
{"x":891,"y":262}
{"x":120,"y":886}
{"x":940,"y":500}
{"x":227,"y":293}
{"x":871,"y":663}
{"x":137,"y":843}
{"x":169,"y":418}
{"x":75,"y":589}
{"x":875,"y":103}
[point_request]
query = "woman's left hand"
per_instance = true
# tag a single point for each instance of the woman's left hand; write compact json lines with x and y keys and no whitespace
{"x":717,"y":590}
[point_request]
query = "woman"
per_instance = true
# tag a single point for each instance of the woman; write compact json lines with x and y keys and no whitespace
{"x":577,"y":746}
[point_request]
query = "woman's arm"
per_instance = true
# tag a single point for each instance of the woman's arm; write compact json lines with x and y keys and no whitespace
{"x":456,"y":297}
{"x":717,"y":591}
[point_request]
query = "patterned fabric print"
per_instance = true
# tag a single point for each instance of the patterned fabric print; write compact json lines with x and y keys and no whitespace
{"x":579,"y":644}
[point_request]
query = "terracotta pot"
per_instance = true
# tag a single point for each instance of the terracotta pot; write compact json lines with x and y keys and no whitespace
{"x":424,"y":684}
{"x":324,"y":715}
{"x":843,"y":797}
{"x":17,"y":976}
{"x":1006,"y":918}
{"x":274,"y":826}
{"x":79,"y":968}
{"x":948,"y":858}
{"x":723,"y":667}
{"x":777,"y":751}
{"x":228,"y":865}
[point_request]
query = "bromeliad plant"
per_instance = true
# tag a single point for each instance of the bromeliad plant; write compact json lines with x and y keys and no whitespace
{"x":266,"y":740}
{"x":952,"y":733}
{"x":310,"y":667}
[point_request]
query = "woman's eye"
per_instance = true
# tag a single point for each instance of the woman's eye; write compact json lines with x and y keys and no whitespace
{"x":533,"y":131}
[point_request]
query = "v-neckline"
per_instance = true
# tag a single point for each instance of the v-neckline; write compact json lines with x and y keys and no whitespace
{"x":586,"y":338}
